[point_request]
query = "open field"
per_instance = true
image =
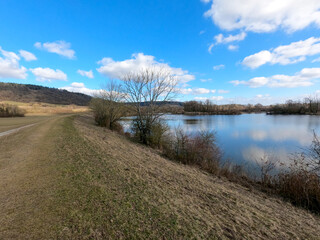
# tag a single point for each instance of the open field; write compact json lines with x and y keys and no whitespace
{"x":45,"y":109}
{"x":69,"y":179}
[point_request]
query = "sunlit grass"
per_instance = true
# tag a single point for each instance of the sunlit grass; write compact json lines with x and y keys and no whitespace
{"x":44,"y":109}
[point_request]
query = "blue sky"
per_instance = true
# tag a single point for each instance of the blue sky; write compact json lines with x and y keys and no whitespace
{"x":229,"y":51}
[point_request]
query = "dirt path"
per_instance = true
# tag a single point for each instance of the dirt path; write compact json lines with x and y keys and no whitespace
{"x":26,"y":176}
{"x":14,"y":130}
{"x":7,"y":124}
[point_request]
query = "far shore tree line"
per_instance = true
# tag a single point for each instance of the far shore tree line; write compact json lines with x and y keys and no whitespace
{"x":210,"y":107}
{"x":310,"y":105}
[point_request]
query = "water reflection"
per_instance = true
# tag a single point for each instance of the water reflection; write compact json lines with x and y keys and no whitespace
{"x":248,"y":137}
{"x":255,"y":154}
{"x":304,"y":138}
{"x":191,"y":121}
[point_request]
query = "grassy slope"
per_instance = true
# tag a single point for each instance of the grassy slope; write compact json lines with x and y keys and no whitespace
{"x":70,"y":179}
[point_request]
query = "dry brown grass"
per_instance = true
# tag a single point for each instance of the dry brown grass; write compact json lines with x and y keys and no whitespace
{"x":38,"y":108}
{"x":66,"y":179}
{"x":207,"y":206}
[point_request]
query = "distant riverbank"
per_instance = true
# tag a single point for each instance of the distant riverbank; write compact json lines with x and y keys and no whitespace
{"x":219,"y":113}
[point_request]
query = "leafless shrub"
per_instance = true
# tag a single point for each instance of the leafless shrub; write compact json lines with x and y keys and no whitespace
{"x":200,"y":150}
{"x":267,"y":166}
{"x":7,"y":110}
{"x":108,"y":106}
{"x":300,"y":182}
{"x":301,"y":187}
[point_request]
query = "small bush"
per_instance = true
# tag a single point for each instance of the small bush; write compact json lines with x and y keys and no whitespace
{"x":118,"y":128}
{"x":157,"y":136}
{"x":301,"y":188}
{"x":7,"y":110}
{"x":200,"y":150}
{"x":300,"y":182}
{"x":107,"y":113}
{"x":153,"y":134}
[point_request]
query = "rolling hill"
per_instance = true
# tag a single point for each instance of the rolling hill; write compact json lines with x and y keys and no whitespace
{"x":35,"y":93}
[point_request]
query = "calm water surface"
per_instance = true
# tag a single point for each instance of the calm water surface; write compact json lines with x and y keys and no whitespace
{"x":247,"y":138}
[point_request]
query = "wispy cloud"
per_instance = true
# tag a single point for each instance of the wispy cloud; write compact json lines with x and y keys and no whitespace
{"x":221,"y":39}
{"x":212,"y":98}
{"x":221,"y":91}
{"x":88,"y":74}
{"x":28,"y":56}
{"x":59,"y":47}
{"x":81,"y":88}
{"x":218,"y":67}
{"x":196,"y":91}
{"x":232,"y":47}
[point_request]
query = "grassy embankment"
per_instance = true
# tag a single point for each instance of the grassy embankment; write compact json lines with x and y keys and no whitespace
{"x":69,"y":179}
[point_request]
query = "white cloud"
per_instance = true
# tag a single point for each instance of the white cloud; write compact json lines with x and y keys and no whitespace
{"x":117,"y":69}
{"x":88,"y":74}
{"x":264,"y":15}
{"x":257,"y":59}
{"x":201,"y":91}
{"x":316,"y":60}
{"x":221,"y":91}
{"x":81,"y":88}
{"x":48,"y":74}
{"x":287,"y":54}
{"x":9,"y":66}
{"x":28,"y":56}
{"x":59,"y":47}
{"x":261,"y":95}
{"x":232,"y":47}
{"x":206,"y":80}
{"x":218,"y":67}
{"x":196,"y":91}
{"x":213,"y":98}
{"x":304,"y":78}
{"x":210,"y":47}
{"x":221,"y":39}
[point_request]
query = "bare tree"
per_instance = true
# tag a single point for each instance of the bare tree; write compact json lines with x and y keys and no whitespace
{"x":108,"y":105}
{"x":147,"y":90}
